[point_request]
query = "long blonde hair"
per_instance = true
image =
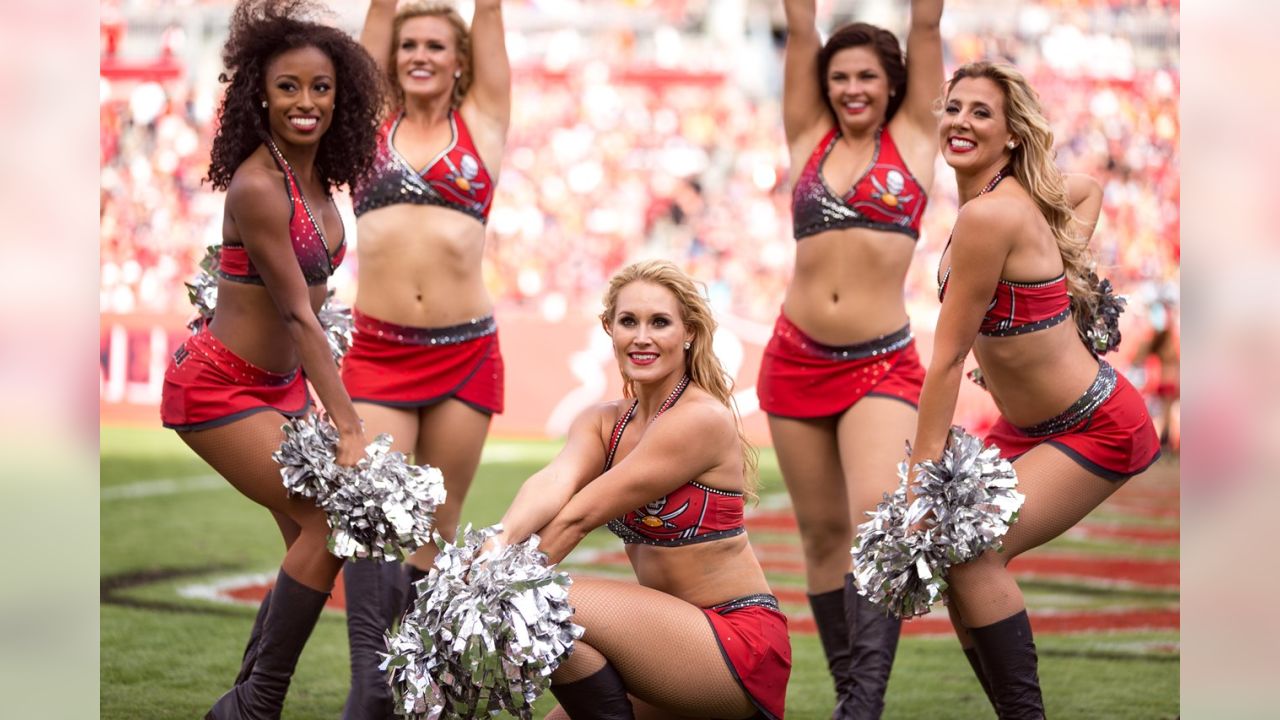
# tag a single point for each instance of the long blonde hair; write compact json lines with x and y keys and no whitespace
{"x":1033,"y":165}
{"x":701,"y":362}
{"x":461,"y":33}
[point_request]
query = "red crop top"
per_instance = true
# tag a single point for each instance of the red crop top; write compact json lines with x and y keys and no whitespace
{"x":886,"y":197}
{"x":692,"y":513}
{"x":456,"y":178}
{"x":309,"y":244}
{"x":1018,"y":308}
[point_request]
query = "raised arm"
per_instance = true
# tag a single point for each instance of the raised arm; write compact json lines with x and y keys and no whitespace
{"x":490,"y":67}
{"x":803,"y":107}
{"x":1084,"y":194}
{"x":377,"y":33}
{"x":980,"y":243}
{"x":662,"y":461}
{"x":261,"y":214}
{"x":924,"y":66}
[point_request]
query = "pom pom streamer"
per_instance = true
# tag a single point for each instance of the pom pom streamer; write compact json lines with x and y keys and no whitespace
{"x":1102,"y":331}
{"x":202,"y":291}
{"x":484,"y":634}
{"x":383,"y":508}
{"x":964,"y":504}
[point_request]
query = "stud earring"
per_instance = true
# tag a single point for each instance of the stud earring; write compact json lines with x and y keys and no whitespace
{"x":264,"y":103}
{"x":457,"y":74}
{"x":687,"y":345}
{"x":1011,"y":144}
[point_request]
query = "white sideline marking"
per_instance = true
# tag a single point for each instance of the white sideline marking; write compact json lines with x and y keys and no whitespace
{"x":164,"y":486}
{"x":217,"y":591}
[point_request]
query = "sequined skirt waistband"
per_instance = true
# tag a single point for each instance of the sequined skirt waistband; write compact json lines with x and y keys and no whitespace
{"x":450,"y":335}
{"x":882,"y":345}
{"x":1083,"y":408}
{"x":764,"y":600}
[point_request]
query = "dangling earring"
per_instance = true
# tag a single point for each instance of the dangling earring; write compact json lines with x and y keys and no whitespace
{"x":687,"y":344}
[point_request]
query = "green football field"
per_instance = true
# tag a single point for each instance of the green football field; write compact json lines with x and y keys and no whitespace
{"x":176,"y":540}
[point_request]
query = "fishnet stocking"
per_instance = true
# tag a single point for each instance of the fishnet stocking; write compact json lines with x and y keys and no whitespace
{"x":662,"y":646}
{"x":241,"y":452}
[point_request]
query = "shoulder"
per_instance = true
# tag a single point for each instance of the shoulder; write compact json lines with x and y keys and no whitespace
{"x":699,"y":412}
{"x":992,"y":218}
{"x":258,"y":190}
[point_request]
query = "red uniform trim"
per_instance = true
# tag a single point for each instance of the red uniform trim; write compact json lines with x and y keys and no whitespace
{"x":383,"y":370}
{"x":757,"y":648}
{"x":1117,"y":442}
{"x":798,"y":378}
{"x":207,"y":385}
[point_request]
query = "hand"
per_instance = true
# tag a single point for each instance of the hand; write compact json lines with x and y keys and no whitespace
{"x":351,"y":445}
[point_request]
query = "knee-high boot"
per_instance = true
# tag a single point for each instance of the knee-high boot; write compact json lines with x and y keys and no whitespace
{"x":255,"y":637}
{"x":291,"y":617}
{"x":873,"y":642}
{"x":1007,"y":653}
{"x":833,"y":632}
{"x":971,"y":654}
{"x":599,"y":696}
{"x":375,"y":598}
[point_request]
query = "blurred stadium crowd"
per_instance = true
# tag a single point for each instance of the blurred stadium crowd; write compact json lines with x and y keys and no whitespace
{"x":653,"y":127}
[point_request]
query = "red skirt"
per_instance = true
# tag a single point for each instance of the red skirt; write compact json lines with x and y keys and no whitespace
{"x":802,"y":378}
{"x":207,"y":385}
{"x":753,"y":638}
{"x":1116,"y":442}
{"x":408,"y":367}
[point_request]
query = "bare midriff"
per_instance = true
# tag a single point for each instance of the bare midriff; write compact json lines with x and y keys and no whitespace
{"x":847,"y":287}
{"x":1035,"y":377}
{"x":703,"y":574}
{"x":249,"y":324}
{"x":420,"y":266}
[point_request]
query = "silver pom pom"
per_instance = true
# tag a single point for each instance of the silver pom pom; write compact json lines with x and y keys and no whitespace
{"x":202,"y":291}
{"x":383,"y":508}
{"x":335,"y":318}
{"x":965,"y":503}
{"x":485,"y":633}
{"x":1102,"y":331}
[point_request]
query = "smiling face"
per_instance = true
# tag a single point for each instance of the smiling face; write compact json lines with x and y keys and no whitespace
{"x":427,"y":56}
{"x":973,"y":130}
{"x":858,"y":88}
{"x":300,"y":92}
{"x":648,"y":333}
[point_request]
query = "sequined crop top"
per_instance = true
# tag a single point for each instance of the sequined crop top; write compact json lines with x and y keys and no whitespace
{"x":1018,"y":308}
{"x":886,"y":197}
{"x":692,"y":513}
{"x":309,"y":243}
{"x":456,"y":178}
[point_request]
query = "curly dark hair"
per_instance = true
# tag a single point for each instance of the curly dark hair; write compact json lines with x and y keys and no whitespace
{"x":884,"y":43}
{"x":262,"y":30}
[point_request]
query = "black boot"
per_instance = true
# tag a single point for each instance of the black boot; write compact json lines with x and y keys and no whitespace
{"x":600,"y":696}
{"x":971,"y":655}
{"x":833,"y":631}
{"x":873,"y":641}
{"x":375,"y":597}
{"x":290,"y":619}
{"x":255,"y":637}
{"x":1008,"y":655}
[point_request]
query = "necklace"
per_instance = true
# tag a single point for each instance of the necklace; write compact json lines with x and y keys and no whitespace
{"x":676,"y":392}
{"x":1002,"y":174}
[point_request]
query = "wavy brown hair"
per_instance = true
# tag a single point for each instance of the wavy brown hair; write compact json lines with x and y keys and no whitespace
{"x":701,"y":363}
{"x":886,"y":47}
{"x":461,"y":35}
{"x":1032,"y":160}
{"x":260,"y":31}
